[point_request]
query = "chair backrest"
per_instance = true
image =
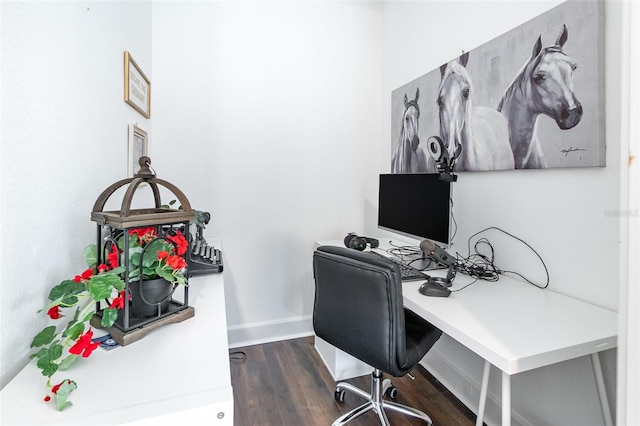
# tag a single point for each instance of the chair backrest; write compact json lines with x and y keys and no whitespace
{"x":358,"y":306}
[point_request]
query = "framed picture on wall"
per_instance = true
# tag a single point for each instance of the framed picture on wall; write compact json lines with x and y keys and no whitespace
{"x":531,"y":98}
{"x":138,"y":146}
{"x":137,"y":87}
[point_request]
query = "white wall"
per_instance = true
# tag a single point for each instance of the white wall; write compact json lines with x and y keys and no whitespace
{"x":562,"y":213}
{"x":64,"y":140}
{"x":275,"y":106}
{"x":281,"y":112}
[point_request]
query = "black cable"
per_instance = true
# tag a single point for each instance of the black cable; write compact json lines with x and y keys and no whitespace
{"x":403,"y":250}
{"x":455,"y":224}
{"x":486,"y":265}
{"x":462,"y":288}
{"x":409,"y":251}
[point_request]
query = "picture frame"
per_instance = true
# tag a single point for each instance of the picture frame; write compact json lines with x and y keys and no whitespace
{"x":138,"y":147}
{"x":137,"y":87}
{"x":531,"y":98}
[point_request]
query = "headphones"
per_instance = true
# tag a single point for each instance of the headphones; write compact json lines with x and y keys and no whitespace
{"x":353,"y":241}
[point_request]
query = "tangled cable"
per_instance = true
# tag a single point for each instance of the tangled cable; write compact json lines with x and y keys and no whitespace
{"x":481,"y":265}
{"x":409,"y":254}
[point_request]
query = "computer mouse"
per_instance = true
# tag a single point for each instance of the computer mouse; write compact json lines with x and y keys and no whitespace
{"x":434,"y":289}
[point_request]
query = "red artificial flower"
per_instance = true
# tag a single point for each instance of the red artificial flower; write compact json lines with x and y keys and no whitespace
{"x":118,"y":302}
{"x":176,"y":262}
{"x":180,"y":241}
{"x":102,"y":267}
{"x":113,"y":258}
{"x":54,"y":312}
{"x":84,"y":345}
{"x":144,"y":234}
{"x":84,"y":276}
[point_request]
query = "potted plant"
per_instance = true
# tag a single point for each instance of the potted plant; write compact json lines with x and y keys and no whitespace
{"x":59,"y":345}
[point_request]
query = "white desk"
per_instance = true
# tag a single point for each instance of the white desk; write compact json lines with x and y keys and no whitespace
{"x":516,"y":327}
{"x":178,"y":373}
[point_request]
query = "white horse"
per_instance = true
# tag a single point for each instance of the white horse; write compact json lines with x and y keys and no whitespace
{"x":409,"y":140}
{"x":477,"y":136}
{"x":543,"y":86}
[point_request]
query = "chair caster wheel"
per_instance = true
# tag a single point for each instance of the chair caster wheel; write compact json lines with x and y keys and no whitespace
{"x":392,"y":392}
{"x":339,"y":395}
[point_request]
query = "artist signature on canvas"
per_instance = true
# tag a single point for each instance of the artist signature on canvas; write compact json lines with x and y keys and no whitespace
{"x":571,"y":149}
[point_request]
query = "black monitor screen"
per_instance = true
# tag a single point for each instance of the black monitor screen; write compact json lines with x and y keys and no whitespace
{"x":416,"y":205}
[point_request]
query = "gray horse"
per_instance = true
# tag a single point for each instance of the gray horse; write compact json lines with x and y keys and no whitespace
{"x":409,"y":140}
{"x":544,"y":86}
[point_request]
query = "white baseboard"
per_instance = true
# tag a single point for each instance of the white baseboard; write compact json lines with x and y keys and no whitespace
{"x":269,"y":331}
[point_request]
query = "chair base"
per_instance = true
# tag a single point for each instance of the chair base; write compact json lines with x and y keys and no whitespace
{"x":375,"y":402}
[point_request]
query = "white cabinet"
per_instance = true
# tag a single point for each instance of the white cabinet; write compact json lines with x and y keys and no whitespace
{"x":178,"y":372}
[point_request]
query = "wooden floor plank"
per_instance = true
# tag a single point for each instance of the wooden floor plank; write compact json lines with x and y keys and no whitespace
{"x":257,"y":400}
{"x":287,"y":384}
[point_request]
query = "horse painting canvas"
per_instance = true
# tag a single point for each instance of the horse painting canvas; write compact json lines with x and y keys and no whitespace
{"x":409,"y":140}
{"x":477,"y":137}
{"x":530,"y":98}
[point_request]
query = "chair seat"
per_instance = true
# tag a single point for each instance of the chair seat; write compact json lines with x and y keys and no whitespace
{"x":421,"y":335}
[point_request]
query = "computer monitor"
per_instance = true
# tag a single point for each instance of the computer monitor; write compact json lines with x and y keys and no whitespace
{"x":416,"y":205}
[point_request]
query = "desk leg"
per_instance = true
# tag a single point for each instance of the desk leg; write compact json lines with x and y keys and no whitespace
{"x":483,"y":393}
{"x":506,"y":399}
{"x":602,"y":391}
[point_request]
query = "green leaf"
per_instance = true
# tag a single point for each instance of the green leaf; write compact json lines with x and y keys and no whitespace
{"x":119,"y":270}
{"x":101,"y":286}
{"x":65,"y":389}
{"x":69,"y":301}
{"x":44,"y":337}
{"x":91,"y":255}
{"x":165,"y":273}
{"x":55,"y":351}
{"x":180,"y":279}
{"x":134,"y":260}
{"x":48,"y":368}
{"x":109,"y":316}
{"x":46,"y":359}
{"x":199,"y":219}
{"x":66,"y":363}
{"x":151,"y":254}
{"x":66,"y":290}
{"x":41,"y":352}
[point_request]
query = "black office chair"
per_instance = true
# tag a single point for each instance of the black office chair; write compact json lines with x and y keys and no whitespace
{"x":358,"y":308}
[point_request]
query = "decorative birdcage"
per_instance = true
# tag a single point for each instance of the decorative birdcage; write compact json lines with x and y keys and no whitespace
{"x":138,"y":237}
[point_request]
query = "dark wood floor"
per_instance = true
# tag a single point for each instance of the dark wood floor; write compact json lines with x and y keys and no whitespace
{"x":287,"y":384}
